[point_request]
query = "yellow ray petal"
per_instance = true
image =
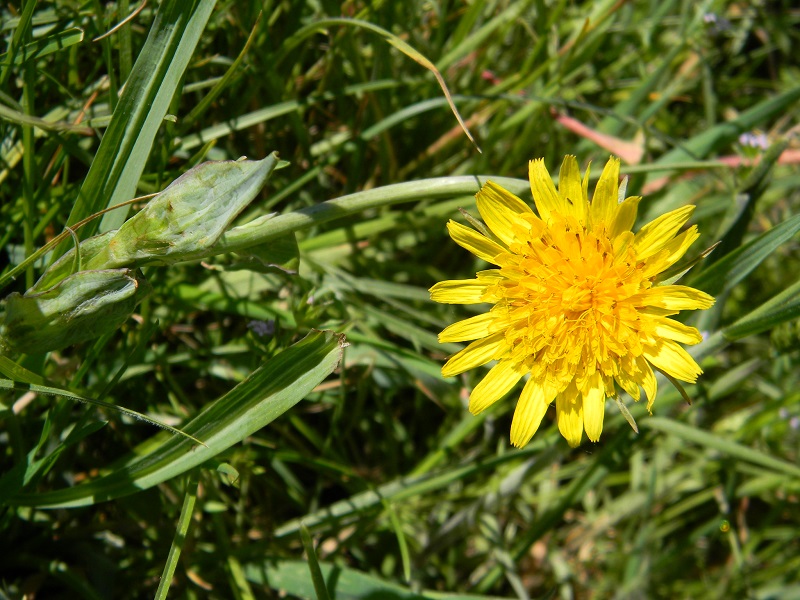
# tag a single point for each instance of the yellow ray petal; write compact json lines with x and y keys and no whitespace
{"x":671,"y":252}
{"x":594,"y":404}
{"x":657,"y":233}
{"x":468,"y":329}
{"x":544,"y":192}
{"x":678,"y":247}
{"x":571,"y":191}
{"x":673,"y":359}
{"x":624,"y":216}
{"x":501,"y":211}
{"x":498,"y":382}
{"x":585,"y":183}
{"x":465,"y":291}
{"x":672,"y":330}
{"x":478,"y":353}
{"x":655,"y":311}
{"x":569,"y":411}
{"x":475,"y":242}
{"x":531,"y":407}
{"x":621,"y":244}
{"x":605,"y":201}
{"x":628,"y":384}
{"x":648,"y":381}
{"x":673,"y":297}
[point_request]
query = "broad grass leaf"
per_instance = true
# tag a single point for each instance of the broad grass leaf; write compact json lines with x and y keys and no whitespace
{"x":266,"y":394}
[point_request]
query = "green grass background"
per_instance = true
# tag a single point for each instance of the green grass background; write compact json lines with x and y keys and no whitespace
{"x":378,"y":483}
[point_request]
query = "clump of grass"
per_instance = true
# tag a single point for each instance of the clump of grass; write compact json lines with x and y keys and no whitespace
{"x":402,"y":493}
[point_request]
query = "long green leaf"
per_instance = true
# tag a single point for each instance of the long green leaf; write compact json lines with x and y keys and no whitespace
{"x":724,"y":274}
{"x":47,"y":45}
{"x":291,"y":576}
{"x":715,"y":442}
{"x":320,"y":589}
{"x":15,"y":116}
{"x":703,"y":144}
{"x":736,"y":222}
{"x":19,"y":373}
{"x":21,"y":30}
{"x":6,"y":384}
{"x":783,"y":307}
{"x":266,"y":394}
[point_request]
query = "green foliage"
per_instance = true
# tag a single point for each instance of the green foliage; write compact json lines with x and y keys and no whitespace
{"x":357,"y":472}
{"x":80,"y":307}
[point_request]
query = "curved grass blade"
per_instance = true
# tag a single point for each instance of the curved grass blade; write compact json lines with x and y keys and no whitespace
{"x":291,"y":43}
{"x":190,"y":119}
{"x":20,"y":118}
{"x":18,"y":373}
{"x":15,"y":44}
{"x":736,"y":222}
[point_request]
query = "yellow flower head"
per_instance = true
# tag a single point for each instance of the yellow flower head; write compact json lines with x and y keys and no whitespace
{"x":576,"y":301}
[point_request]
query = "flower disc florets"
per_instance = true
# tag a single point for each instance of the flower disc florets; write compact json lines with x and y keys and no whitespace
{"x":576,"y":301}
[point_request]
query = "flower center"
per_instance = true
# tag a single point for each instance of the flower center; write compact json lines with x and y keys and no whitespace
{"x":568,"y":296}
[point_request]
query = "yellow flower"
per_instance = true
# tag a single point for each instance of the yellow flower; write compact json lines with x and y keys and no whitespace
{"x":577,"y":305}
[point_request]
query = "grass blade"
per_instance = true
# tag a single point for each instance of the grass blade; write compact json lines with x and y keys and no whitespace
{"x":269,"y":392}
{"x":313,"y":565}
{"x":178,"y":541}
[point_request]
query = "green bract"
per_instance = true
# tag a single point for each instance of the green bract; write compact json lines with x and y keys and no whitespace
{"x":188,"y":217}
{"x":81,"y":307}
{"x":93,"y":289}
{"x":181,"y":223}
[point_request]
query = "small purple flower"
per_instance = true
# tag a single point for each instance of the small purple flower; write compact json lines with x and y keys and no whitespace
{"x":262,"y":328}
{"x":716,"y":24}
{"x":794,"y":423}
{"x":754,"y":140}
